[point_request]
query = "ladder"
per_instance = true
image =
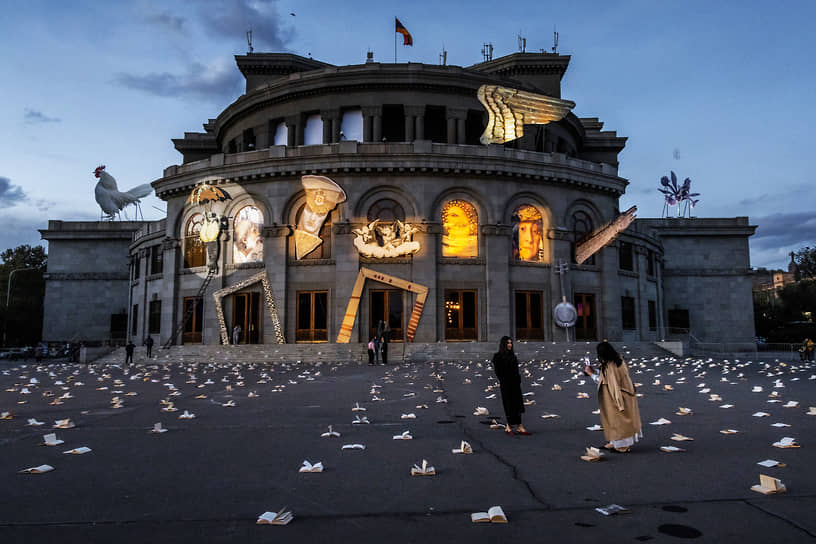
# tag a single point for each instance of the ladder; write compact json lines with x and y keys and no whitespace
{"x":189,"y":312}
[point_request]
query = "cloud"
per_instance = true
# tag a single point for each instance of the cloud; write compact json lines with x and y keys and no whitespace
{"x":10,"y":195}
{"x":785,"y":229}
{"x":220,"y":80}
{"x":35,"y":116}
{"x":166,"y":20}
{"x":232,"y":19}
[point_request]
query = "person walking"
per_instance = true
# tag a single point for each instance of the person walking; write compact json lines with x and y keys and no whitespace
{"x":149,"y":345}
{"x":371,"y":352}
{"x":620,"y":416}
{"x":236,"y":334}
{"x":505,"y":365}
{"x":129,"y":347}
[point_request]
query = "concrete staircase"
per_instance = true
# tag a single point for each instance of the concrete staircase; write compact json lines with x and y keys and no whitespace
{"x":357,"y":353}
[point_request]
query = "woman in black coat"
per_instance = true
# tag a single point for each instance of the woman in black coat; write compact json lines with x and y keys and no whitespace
{"x":505,"y":364}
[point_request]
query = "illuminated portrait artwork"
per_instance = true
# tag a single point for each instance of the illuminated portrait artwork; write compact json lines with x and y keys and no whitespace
{"x":248,"y":244}
{"x":529,"y":240}
{"x":460,"y":224}
{"x":322,"y":195}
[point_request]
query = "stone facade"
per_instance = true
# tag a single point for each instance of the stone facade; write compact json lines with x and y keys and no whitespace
{"x":406,"y":136}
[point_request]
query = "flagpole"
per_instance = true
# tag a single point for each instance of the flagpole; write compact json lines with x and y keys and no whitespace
{"x":395,"y":43}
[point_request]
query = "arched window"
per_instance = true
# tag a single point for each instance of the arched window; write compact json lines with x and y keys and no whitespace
{"x":386,"y":209}
{"x":194,"y":251}
{"x":460,"y":227}
{"x":581,"y":226}
{"x":248,"y":239}
{"x":322,"y":251}
{"x":530,"y":242}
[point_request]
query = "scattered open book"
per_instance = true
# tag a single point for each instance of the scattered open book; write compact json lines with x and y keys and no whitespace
{"x":423,"y":470}
{"x":32,"y":422}
{"x":51,"y":440}
{"x":406,"y":435}
{"x":275,"y":518}
{"x":791,"y":404}
{"x":308,"y":467}
{"x":464,"y":447}
{"x":779,"y":424}
{"x":157,"y":428}
{"x":671,"y":449}
{"x":169,"y":407}
{"x":353,"y":447}
{"x":661,"y":421}
{"x":756,"y":389}
{"x":358,"y":408}
{"x":6,"y":415}
{"x":612,"y":509}
{"x":229,"y":404}
{"x":683,"y":411}
{"x":713,"y":397}
{"x":201,"y":396}
{"x":556,"y":387}
{"x":37,"y":470}
{"x":680,"y":438}
{"x":786,"y":442}
{"x":495,"y":514}
{"x":729,"y":431}
{"x":421,"y":406}
{"x":726,"y":405}
{"x":496,"y":425}
{"x":811,"y":411}
{"x":529,"y":402}
{"x":768,"y":485}
{"x":491,"y":396}
{"x":481,"y":411}
{"x":408,"y":416}
{"x":187,"y":415}
{"x":595,"y":427}
{"x":547,"y":415}
{"x":592,"y":455}
{"x":441,"y":399}
{"x":63,"y":424}
{"x":583,"y":395}
{"x":770,"y":463}
{"x":330,"y":433}
{"x":760,"y":414}
{"x":359,"y":420}
{"x":668,"y":387}
{"x":78,"y":451}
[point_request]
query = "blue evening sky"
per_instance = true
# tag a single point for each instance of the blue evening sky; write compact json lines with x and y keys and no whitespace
{"x":721,"y":92}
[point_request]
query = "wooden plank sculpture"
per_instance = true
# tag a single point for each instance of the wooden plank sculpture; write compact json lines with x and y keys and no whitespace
{"x":354,"y":302}
{"x":603,"y":235}
{"x":510,"y":109}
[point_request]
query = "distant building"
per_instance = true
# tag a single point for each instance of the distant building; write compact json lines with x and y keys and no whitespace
{"x":492,"y":223}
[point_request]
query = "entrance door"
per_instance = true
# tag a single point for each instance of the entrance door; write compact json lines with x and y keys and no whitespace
{"x":246,"y":313}
{"x":460,"y":315}
{"x":312,"y":316}
{"x":386,"y":304}
{"x":585,"y":326}
{"x":529,"y":318}
{"x":192,"y":327}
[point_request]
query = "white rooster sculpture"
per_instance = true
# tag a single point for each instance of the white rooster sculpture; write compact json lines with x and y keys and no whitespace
{"x":110,"y":199}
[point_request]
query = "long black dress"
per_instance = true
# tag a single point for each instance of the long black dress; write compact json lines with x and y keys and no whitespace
{"x":505,"y":364}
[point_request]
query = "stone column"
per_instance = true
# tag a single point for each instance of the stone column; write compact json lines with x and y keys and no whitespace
{"x":263,"y":138}
{"x":347,"y":266}
{"x":642,"y":303}
{"x":496,"y":307}
{"x":413,"y":114}
{"x":424,"y":272}
{"x":275,"y":239}
{"x":331,"y":126}
{"x":372,"y":123}
{"x":457,"y":133}
{"x":335,"y":127}
{"x":451,"y":136}
{"x":661,"y":325}
{"x":292,"y":127}
{"x":171,"y":305}
{"x":609,"y":303}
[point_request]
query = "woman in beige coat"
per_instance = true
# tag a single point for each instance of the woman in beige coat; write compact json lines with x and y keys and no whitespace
{"x":620,"y":416}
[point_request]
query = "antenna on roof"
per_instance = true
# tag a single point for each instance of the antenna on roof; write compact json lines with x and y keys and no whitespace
{"x":555,"y":40}
{"x":443,"y":56}
{"x":522,"y":44}
{"x":487,"y":51}
{"x":249,"y":40}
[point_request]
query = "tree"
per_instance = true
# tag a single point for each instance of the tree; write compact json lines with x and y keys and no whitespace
{"x":805,"y":260}
{"x":23,"y":312}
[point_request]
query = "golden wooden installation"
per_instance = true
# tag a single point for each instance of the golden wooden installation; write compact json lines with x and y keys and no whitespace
{"x":509,"y":110}
{"x":603,"y":235}
{"x":354,"y":302}
{"x":270,"y":305}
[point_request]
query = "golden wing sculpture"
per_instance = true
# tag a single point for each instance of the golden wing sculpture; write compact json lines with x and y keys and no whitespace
{"x":603,"y":235}
{"x":510,"y":109}
{"x":204,"y":194}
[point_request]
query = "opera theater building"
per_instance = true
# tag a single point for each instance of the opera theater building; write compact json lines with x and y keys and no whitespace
{"x":328,"y":198}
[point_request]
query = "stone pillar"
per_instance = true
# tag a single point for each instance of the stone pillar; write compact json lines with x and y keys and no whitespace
{"x":642,"y":303}
{"x":171,"y":306}
{"x":263,"y":138}
{"x":300,"y":130}
{"x":275,"y":239}
{"x":331,"y":126}
{"x":413,"y":114}
{"x":451,"y":136}
{"x":496,"y":306}
{"x":609,"y":303}
{"x":292,"y":126}
{"x":456,"y":130}
{"x":335,"y":128}
{"x":347,"y":266}
{"x":372,"y":123}
{"x":424,"y":272}
{"x":661,"y":324}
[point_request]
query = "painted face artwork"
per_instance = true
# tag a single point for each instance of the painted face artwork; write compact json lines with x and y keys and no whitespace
{"x":248,"y":245}
{"x":459,"y":224}
{"x":529,"y":243}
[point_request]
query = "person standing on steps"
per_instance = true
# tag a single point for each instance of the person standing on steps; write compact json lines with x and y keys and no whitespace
{"x":149,"y":345}
{"x":505,"y":365}
{"x":384,"y":339}
{"x":129,"y":347}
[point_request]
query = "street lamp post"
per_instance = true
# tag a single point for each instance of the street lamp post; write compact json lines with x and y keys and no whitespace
{"x":8,"y":295}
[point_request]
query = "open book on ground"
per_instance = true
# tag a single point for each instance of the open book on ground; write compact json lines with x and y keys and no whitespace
{"x":496,"y":425}
{"x":353,"y":447}
{"x":547,"y":415}
{"x":494,"y":514}
{"x":281,"y":517}
{"x":157,"y":428}
{"x":37,"y":470}
{"x":768,"y":485}
{"x":63,"y":424}
{"x":464,"y":447}
{"x":79,"y":451}
{"x":671,"y":449}
{"x":595,"y":427}
{"x":681,"y":411}
{"x":592,"y":455}
{"x":6,"y":415}
{"x":408,"y":416}
{"x":770,"y":463}
{"x":612,"y":509}
{"x":32,"y":422}
{"x":661,"y":421}
{"x":308,"y":467}
{"x":358,"y":408}
{"x":51,"y":440}
{"x":680,"y":438}
{"x":330,"y":433}
{"x":187,"y":415}
{"x":811,"y":411}
{"x":786,"y":442}
{"x":360,"y":420}
{"x":423,"y":470}
{"x":481,"y":411}
{"x":791,"y":404}
{"x":583,"y":395}
{"x":406,"y":435}
{"x":729,"y":431}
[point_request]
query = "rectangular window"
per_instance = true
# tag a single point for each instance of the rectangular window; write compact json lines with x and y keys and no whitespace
{"x":137,"y":267}
{"x":393,"y":123}
{"x":312,"y":316}
{"x":585,"y":324}
{"x":118,"y":326}
{"x":156,"y":260}
{"x":154,"y":317}
{"x":134,"y":324}
{"x":679,"y":321}
{"x":249,"y":140}
{"x":650,"y":263}
{"x":460,"y":315}
{"x":529,"y":320}
{"x":652,"y":315}
{"x":194,"y":319}
{"x":628,"y":313}
{"x":626,"y":257}
{"x":436,"y":124}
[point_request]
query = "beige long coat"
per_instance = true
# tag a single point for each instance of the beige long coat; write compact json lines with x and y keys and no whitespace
{"x":620,"y":416}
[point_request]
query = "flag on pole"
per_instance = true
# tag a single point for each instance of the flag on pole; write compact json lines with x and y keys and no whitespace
{"x":406,"y":36}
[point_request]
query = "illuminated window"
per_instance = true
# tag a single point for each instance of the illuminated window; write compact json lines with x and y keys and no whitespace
{"x":460,"y":315}
{"x":248,"y":227}
{"x":529,"y":239}
{"x":194,"y":252}
{"x":460,"y":224}
{"x":582,"y":226}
